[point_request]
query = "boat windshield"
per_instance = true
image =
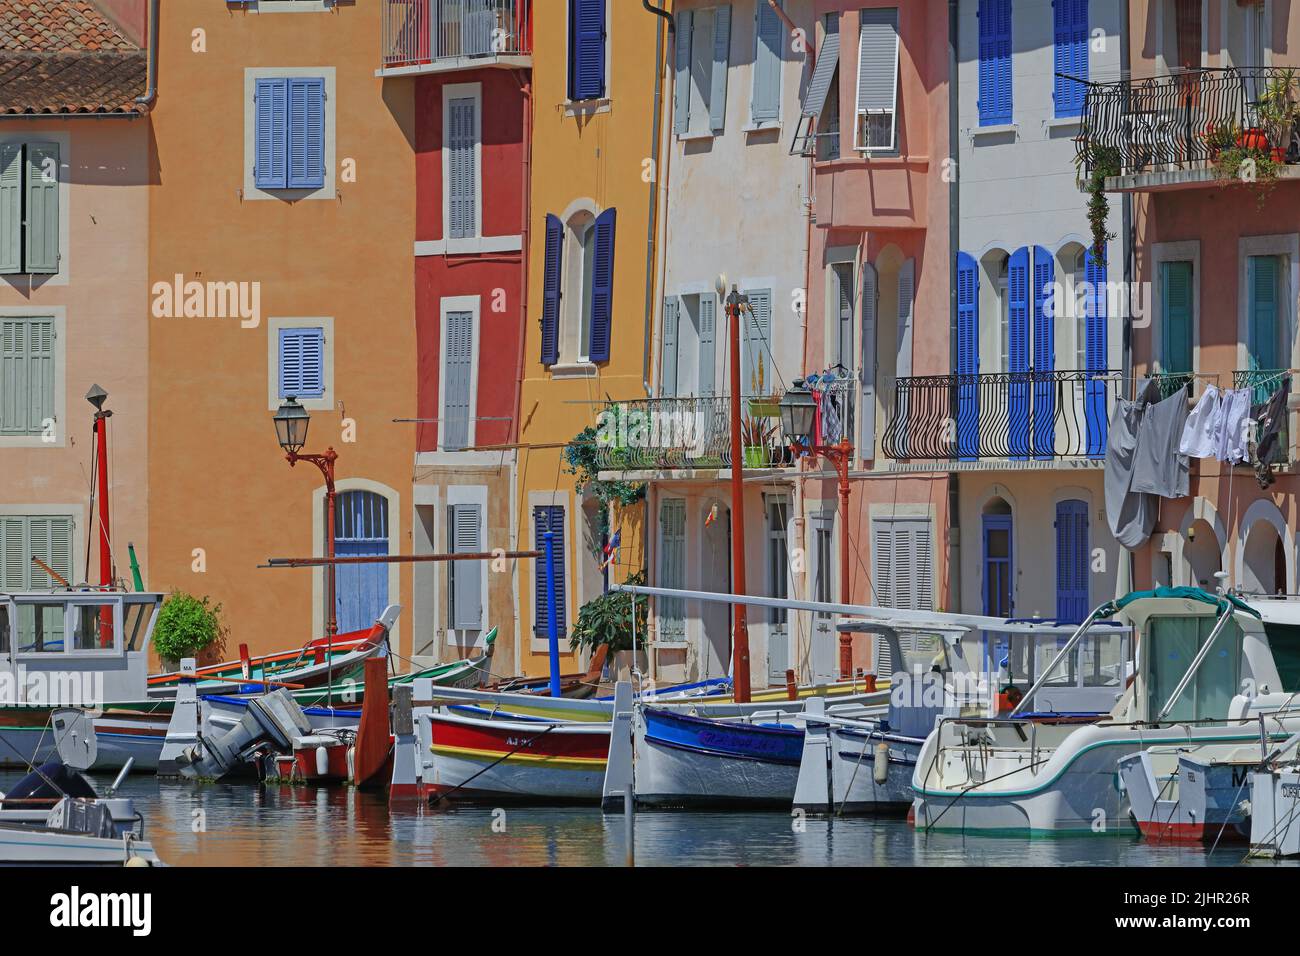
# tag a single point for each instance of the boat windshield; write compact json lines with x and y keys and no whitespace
{"x":1284,"y":641}
{"x":1173,"y":643}
{"x":1100,"y":659}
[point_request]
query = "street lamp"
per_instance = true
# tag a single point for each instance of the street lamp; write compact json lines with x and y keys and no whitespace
{"x":291,"y":423}
{"x":798,"y":422}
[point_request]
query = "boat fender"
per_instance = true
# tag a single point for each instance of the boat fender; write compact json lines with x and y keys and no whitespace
{"x":880,"y":766}
{"x":322,"y":762}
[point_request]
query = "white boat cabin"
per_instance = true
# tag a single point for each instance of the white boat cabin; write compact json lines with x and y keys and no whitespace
{"x":49,"y":640}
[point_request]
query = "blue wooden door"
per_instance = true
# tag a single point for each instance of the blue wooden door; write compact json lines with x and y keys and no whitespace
{"x":1044,"y":355}
{"x":1098,"y":361}
{"x":997,"y":566}
{"x":360,"y":529}
{"x":1018,"y":359}
{"x":1071,"y":562}
{"x":968,"y":357}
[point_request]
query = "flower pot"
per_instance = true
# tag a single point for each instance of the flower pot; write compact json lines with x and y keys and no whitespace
{"x":755,"y":456}
{"x":1253,"y":139}
{"x":763,"y":408}
{"x":1279,"y":155}
{"x":623,"y":664}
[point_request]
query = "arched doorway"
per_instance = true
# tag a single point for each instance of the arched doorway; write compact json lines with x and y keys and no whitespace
{"x":998,"y":566}
{"x":1263,"y":569}
{"x":360,"y":530}
{"x":1201,"y":555}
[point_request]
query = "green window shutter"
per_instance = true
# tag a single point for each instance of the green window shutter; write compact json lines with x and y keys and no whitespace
{"x":721,"y":59}
{"x":13,"y":566}
{"x":51,"y":541}
{"x":682,"y":87}
{"x":1261,"y":276}
{"x":26,"y":375}
{"x":42,"y":208}
{"x":769,"y":54}
{"x":708,"y":343}
{"x":756,"y":354}
{"x":1176,"y":302}
{"x":668,"y":354}
{"x":11,"y":208}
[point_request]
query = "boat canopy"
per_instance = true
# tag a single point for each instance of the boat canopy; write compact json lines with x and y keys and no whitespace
{"x":1186,"y":594}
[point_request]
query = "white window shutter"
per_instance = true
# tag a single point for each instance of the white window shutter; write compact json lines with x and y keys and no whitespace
{"x":867,"y":413}
{"x":467,"y":576}
{"x":721,"y":63}
{"x":462,"y":168}
{"x":906,"y":301}
{"x":878,"y":79}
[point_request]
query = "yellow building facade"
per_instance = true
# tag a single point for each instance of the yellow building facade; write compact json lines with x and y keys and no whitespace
{"x":591,"y":242}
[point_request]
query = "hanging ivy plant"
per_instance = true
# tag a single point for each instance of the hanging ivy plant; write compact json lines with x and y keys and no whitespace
{"x":1096,"y":165}
{"x":581,"y":456}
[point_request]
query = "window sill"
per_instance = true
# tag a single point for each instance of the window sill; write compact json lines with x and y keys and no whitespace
{"x":1002,"y":129}
{"x":1063,"y":122}
{"x":574,"y":370}
{"x":752,"y":127}
{"x":690,"y":137}
{"x":587,"y":107}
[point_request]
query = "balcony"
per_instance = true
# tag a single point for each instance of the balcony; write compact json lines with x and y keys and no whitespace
{"x":444,"y":36}
{"x":1180,"y":130}
{"x":1025,"y":420}
{"x":688,"y":434}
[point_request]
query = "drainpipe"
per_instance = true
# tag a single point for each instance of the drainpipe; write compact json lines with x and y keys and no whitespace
{"x":954,"y":247}
{"x":151,"y":92}
{"x":653,"y":219}
{"x":526,"y":89}
{"x":1130,"y":241}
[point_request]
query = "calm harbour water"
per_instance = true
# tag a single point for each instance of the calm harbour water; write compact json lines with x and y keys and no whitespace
{"x":241,"y":824}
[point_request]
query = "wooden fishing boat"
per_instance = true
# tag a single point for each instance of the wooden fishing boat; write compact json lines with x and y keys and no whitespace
{"x":572,"y":686}
{"x":477,"y":760}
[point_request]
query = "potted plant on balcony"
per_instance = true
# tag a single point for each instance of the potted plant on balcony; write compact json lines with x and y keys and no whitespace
{"x":1220,"y":136}
{"x":756,"y":437}
{"x":1279,"y":108}
{"x":188,"y":627}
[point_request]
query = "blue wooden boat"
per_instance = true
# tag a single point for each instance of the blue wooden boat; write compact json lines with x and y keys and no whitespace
{"x":689,"y":761}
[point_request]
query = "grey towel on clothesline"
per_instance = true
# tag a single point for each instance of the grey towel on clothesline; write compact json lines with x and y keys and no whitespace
{"x":1158,"y":468}
{"x":1131,"y":516}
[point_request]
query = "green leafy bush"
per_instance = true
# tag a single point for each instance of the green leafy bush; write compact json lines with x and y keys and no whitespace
{"x":608,"y":620}
{"x":187,"y":626}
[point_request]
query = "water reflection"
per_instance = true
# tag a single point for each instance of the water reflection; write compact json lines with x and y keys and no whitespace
{"x":240,"y":824}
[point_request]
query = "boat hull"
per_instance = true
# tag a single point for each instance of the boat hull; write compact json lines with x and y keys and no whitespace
{"x":22,"y":846}
{"x":499,"y":761}
{"x":853,"y":756}
{"x":694,"y":762}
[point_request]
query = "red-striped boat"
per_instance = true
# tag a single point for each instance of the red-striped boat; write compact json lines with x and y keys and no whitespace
{"x":509,"y":761}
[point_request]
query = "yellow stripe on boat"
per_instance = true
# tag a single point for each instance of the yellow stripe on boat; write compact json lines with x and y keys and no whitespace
{"x":560,"y":763}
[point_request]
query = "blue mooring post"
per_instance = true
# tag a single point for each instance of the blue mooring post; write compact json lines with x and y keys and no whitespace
{"x":553,"y":628}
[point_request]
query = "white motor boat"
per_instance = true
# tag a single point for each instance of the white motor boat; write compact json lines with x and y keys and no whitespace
{"x":1205,"y":682}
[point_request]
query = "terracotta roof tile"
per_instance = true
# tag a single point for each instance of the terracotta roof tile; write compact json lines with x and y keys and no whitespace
{"x":58,"y":26}
{"x":71,"y":82}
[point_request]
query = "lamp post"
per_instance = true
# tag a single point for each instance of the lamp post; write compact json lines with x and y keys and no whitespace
{"x":740,"y":677}
{"x":798,"y":422}
{"x":291,"y":423}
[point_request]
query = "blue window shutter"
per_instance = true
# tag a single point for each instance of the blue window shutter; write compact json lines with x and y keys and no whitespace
{"x":995,"y":62}
{"x":302,"y":363}
{"x":271,"y":138}
{"x":668,"y":350}
{"x":721,"y":61}
{"x":768,"y":57}
{"x":306,"y":133}
{"x":11,"y":208}
{"x":551,"y":291}
{"x":1262,"y":274}
{"x":42,"y":245}
{"x":1097,"y":356}
{"x":1070,"y":20}
{"x":1072,"y":560}
{"x":682,"y":85}
{"x":602,"y":286}
{"x":968,"y":356}
{"x":756,"y":349}
{"x":466,"y":576}
{"x":708,"y":343}
{"x":1018,"y":281}
{"x":462,"y":170}
{"x":360,"y":530}
{"x":1044,"y":354}
{"x":586,"y":49}
{"x":548,"y":517}
{"x":457,"y":378}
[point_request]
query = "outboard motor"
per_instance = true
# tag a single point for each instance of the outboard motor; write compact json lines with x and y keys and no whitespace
{"x":50,"y":782}
{"x":274,"y":720}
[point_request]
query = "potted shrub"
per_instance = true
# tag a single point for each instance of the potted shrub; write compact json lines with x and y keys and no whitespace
{"x":1220,"y":136}
{"x":1278,"y":110}
{"x":607,"y":619}
{"x":1095,"y":165}
{"x":188,"y":627}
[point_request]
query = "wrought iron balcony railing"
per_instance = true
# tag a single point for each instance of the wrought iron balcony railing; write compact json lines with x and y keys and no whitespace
{"x":1185,"y":120}
{"x":422,"y":32}
{"x":670,"y":434}
{"x":1040,"y":416}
